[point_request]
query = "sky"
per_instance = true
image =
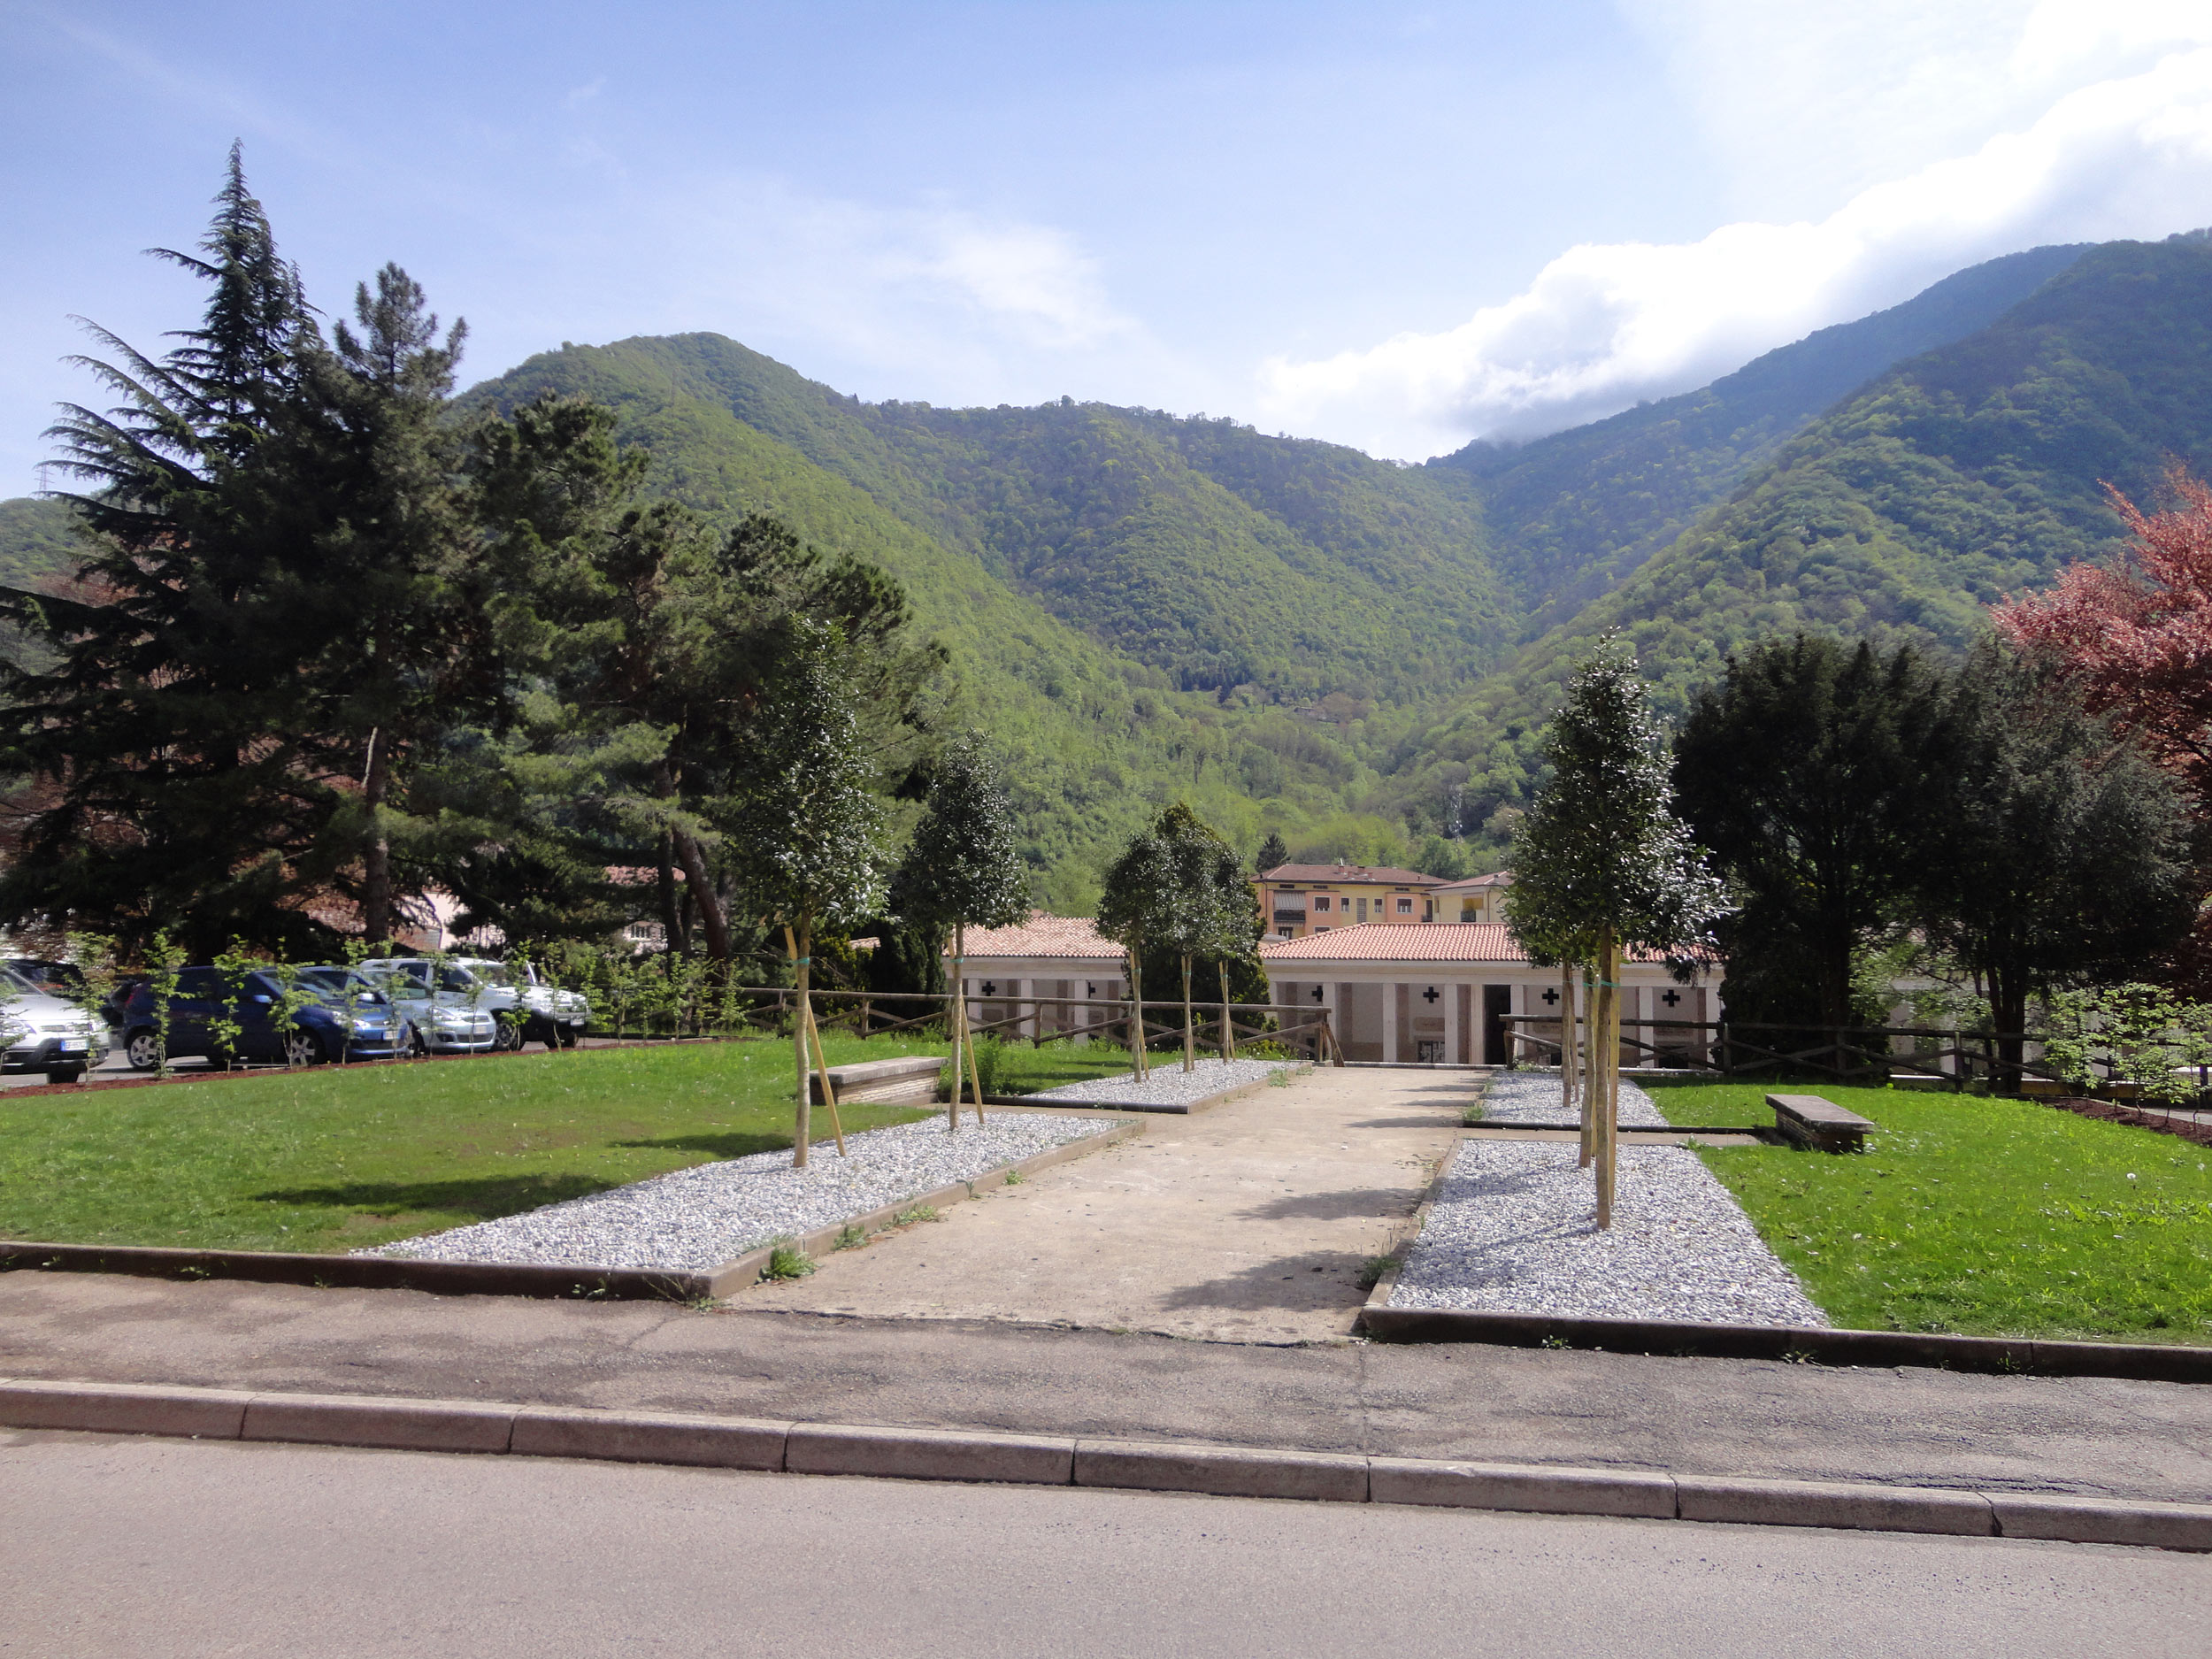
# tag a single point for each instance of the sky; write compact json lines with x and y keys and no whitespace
{"x":1399,"y":226}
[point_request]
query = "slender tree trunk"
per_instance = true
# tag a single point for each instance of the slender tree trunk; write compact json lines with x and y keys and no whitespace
{"x":958,"y":1008}
{"x":1586,"y":1066}
{"x":1566,"y":1038}
{"x":1190,"y":1028}
{"x":673,"y":944}
{"x":1136,"y":1019}
{"x":804,"y":1119}
{"x":1228,"y":1029}
{"x":2008,"y":1013}
{"x":693,"y":859}
{"x":689,"y":854}
{"x":1608,"y":1078}
{"x":376,"y":857}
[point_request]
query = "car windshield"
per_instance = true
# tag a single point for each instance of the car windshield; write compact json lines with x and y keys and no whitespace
{"x":55,"y":978}
{"x":335,"y":985}
{"x":494,"y":973}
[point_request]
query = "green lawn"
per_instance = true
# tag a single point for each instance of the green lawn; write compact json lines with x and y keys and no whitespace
{"x":1992,"y":1218}
{"x":332,"y":1159}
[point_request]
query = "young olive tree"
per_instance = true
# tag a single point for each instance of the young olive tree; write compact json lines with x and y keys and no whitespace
{"x":1600,"y":863}
{"x":962,"y":868}
{"x":805,"y":825}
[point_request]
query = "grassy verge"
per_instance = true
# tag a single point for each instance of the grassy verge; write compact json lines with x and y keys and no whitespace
{"x":1992,"y":1217}
{"x":331,"y":1159}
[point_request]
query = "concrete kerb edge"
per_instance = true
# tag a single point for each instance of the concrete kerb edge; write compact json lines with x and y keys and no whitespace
{"x":774,"y":1446}
{"x":1180,"y":1109}
{"x":2141,"y":1362}
{"x":495,"y":1278}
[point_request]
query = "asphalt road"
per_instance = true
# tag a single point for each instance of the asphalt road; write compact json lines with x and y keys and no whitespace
{"x":114,"y":1545}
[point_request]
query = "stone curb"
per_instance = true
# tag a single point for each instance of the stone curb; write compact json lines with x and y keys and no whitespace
{"x":767,"y":1445}
{"x":504,"y":1279}
{"x":2141,"y":1362}
{"x":1178,"y":1108}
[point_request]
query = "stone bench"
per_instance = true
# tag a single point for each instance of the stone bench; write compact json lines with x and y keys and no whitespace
{"x":908,"y":1078}
{"x":1820,"y":1124}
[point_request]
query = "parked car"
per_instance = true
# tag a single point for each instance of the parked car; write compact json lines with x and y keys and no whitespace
{"x":445,"y":1009}
{"x":542,"y":1013}
{"x":66,"y":980}
{"x":45,"y":1033}
{"x":318,"y":1031}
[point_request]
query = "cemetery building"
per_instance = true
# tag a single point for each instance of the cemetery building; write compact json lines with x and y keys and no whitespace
{"x":1445,"y":993}
{"x":1035,"y":969}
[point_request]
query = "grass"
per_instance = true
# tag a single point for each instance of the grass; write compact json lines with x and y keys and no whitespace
{"x":787,"y":1260}
{"x":335,"y":1159}
{"x":1985,"y":1217}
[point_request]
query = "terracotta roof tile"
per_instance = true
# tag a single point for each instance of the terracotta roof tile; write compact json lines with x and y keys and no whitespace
{"x":1042,"y":935}
{"x":1408,"y":941}
{"x":1384,"y":873}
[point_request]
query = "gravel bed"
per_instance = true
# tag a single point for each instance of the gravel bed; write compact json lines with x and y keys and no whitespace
{"x":704,"y":1215}
{"x":1514,"y":1230}
{"x":1533,"y":1097}
{"x":1168,"y":1085}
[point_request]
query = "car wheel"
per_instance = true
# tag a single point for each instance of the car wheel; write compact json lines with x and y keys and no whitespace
{"x":142,"y":1050}
{"x":570,"y":1035}
{"x":302,"y":1048}
{"x":64,"y":1073}
{"x":506,"y":1037}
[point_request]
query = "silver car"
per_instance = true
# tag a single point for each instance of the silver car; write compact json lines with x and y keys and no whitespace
{"x":444,"y":1008}
{"x":47,"y":1033}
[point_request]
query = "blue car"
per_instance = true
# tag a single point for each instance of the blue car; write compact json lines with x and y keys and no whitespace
{"x":340,"y":1023}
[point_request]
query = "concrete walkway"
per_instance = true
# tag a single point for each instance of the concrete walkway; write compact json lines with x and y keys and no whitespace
{"x":1246,"y":1223}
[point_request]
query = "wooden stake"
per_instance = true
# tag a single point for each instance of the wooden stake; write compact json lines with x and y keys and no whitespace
{"x":1190,"y":1030}
{"x":829,"y":1090}
{"x":958,"y":1023}
{"x":802,"y":1120}
{"x":1586,"y":1066}
{"x":1228,"y":1031}
{"x":971,"y":1072}
{"x":1566,"y":1038}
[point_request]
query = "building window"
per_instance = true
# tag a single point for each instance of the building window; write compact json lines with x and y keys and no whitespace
{"x":1405,"y":907}
{"x":1363,"y":909}
{"x":1321,"y":901}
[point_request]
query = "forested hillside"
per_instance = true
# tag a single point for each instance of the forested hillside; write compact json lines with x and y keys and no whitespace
{"x":1572,"y":514}
{"x":1973,"y":471}
{"x":1294,"y":636}
{"x":1215,"y":556}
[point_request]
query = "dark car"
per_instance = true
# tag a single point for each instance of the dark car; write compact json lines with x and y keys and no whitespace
{"x":319,"y":1032}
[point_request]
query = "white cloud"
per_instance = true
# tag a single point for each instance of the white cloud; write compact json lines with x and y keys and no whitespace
{"x":1604,"y":326}
{"x":969,"y":304}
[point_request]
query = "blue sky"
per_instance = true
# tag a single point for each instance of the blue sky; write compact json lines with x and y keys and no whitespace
{"x":1395,"y":226}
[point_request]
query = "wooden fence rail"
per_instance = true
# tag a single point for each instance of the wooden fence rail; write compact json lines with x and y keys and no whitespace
{"x":1846,"y":1054}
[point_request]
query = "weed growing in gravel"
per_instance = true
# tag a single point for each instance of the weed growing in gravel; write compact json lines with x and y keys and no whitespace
{"x":1015,"y":1177}
{"x":1470,"y":1114}
{"x":788,"y":1261}
{"x":1279,"y":1079}
{"x":1371,"y":1270}
{"x":908,"y":1218}
{"x":850,"y":1237}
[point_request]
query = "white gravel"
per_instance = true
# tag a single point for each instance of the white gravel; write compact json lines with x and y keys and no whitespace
{"x":1168,"y":1085}
{"x":1533,"y":1097}
{"x":1514,"y":1230}
{"x":702,"y":1217}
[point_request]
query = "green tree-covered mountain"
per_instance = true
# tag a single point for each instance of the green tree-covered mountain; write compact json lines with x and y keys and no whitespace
{"x":1293,"y":635}
{"x":1963,"y":474}
{"x":1572,"y":514}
